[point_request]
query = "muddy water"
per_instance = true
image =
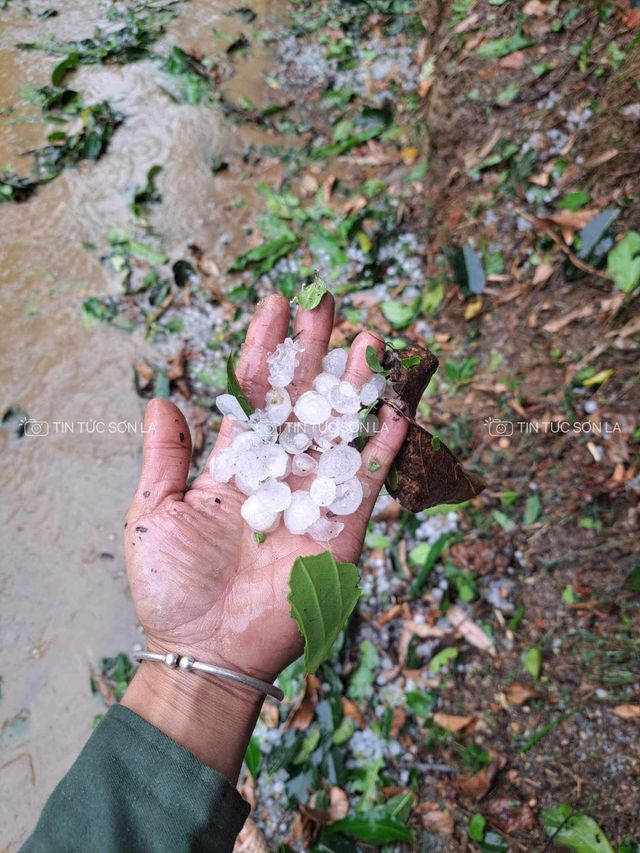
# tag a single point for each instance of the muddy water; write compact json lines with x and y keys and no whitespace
{"x":65,"y":491}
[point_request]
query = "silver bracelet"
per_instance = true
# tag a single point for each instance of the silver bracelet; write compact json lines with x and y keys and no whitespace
{"x":187,"y":663}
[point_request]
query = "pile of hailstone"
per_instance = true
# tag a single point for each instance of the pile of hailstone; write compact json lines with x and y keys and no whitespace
{"x":308,"y":441}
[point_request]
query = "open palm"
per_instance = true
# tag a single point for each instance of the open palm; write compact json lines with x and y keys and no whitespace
{"x":201,"y":583}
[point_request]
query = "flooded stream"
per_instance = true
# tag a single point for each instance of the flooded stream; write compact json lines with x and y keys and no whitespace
{"x":66,"y":486}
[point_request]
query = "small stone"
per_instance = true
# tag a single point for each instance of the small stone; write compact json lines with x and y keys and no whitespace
{"x":228,"y":405}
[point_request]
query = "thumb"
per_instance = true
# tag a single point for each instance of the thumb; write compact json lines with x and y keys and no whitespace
{"x":166,"y":457}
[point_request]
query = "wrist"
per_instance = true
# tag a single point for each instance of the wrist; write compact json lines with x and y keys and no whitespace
{"x":210,"y":717}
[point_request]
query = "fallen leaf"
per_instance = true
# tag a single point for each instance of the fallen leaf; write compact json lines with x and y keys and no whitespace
{"x":535,"y":8}
{"x":478,"y":785}
{"x":250,"y":840}
{"x":632,"y":18}
{"x":338,"y":804}
{"x":543,"y":272}
{"x":467,"y":628}
{"x":473,"y":309}
{"x":409,"y":155}
{"x":514,"y":61}
{"x":578,"y":314}
{"x":509,"y":815}
{"x":451,"y":722}
{"x":627,"y":712}
{"x":439,"y":822}
{"x":573,"y":219}
{"x":302,"y":715}
{"x":398,"y":719}
{"x":518,"y":694}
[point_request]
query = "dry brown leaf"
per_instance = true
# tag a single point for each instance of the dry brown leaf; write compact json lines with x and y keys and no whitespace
{"x":338,"y":804}
{"x":479,"y":784}
{"x":398,"y":719}
{"x":518,"y":694}
{"x":627,"y":712}
{"x":439,"y":822}
{"x":514,"y":61}
{"x":579,"y":314}
{"x":302,"y":715}
{"x":250,"y":840}
{"x":535,"y":8}
{"x":451,"y":722}
{"x":540,"y":180}
{"x":467,"y":628}
{"x":573,"y":219}
{"x":509,"y":815}
{"x":543,"y":272}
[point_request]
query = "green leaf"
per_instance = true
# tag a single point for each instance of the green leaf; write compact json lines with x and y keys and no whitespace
{"x":428,"y":557}
{"x":266,"y":255}
{"x":443,"y":658}
{"x":487,"y":839}
{"x":322,"y":595}
{"x":60,"y":71}
{"x":503,"y":520}
{"x":578,"y":832}
{"x":508,"y":94}
{"x":253,"y":757}
{"x":500,"y":47}
{"x":633,"y":580}
{"x":623,"y":262}
{"x":361,"y":682}
{"x":372,"y":827}
{"x":311,"y":294}
{"x":399,"y":314}
{"x":532,"y":661}
{"x":629,"y":845}
{"x":373,"y":362}
{"x":146,"y":254}
{"x":531,"y":509}
{"x":233,"y":387}
{"x":574,"y":201}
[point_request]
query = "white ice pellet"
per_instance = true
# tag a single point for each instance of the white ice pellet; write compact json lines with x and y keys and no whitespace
{"x":283,"y":362}
{"x":228,"y":405}
{"x":340,"y":462}
{"x":348,"y":427}
{"x":277,"y":405}
{"x":348,"y":497}
{"x":325,"y":529}
{"x":247,"y":485}
{"x":274,"y":494}
{"x":301,"y":513}
{"x":335,"y":362}
{"x":372,"y":390}
{"x":324,"y":383}
{"x":293,"y":439}
{"x":345,"y":398}
{"x":323,"y":491}
{"x":222,"y":466}
{"x":258,"y":516}
{"x":303,"y":464}
{"x":312,"y":408}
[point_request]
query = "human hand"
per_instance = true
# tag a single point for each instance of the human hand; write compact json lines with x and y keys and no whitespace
{"x":200,"y":582}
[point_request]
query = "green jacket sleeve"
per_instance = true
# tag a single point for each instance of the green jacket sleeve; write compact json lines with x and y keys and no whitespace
{"x":134,"y":790}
